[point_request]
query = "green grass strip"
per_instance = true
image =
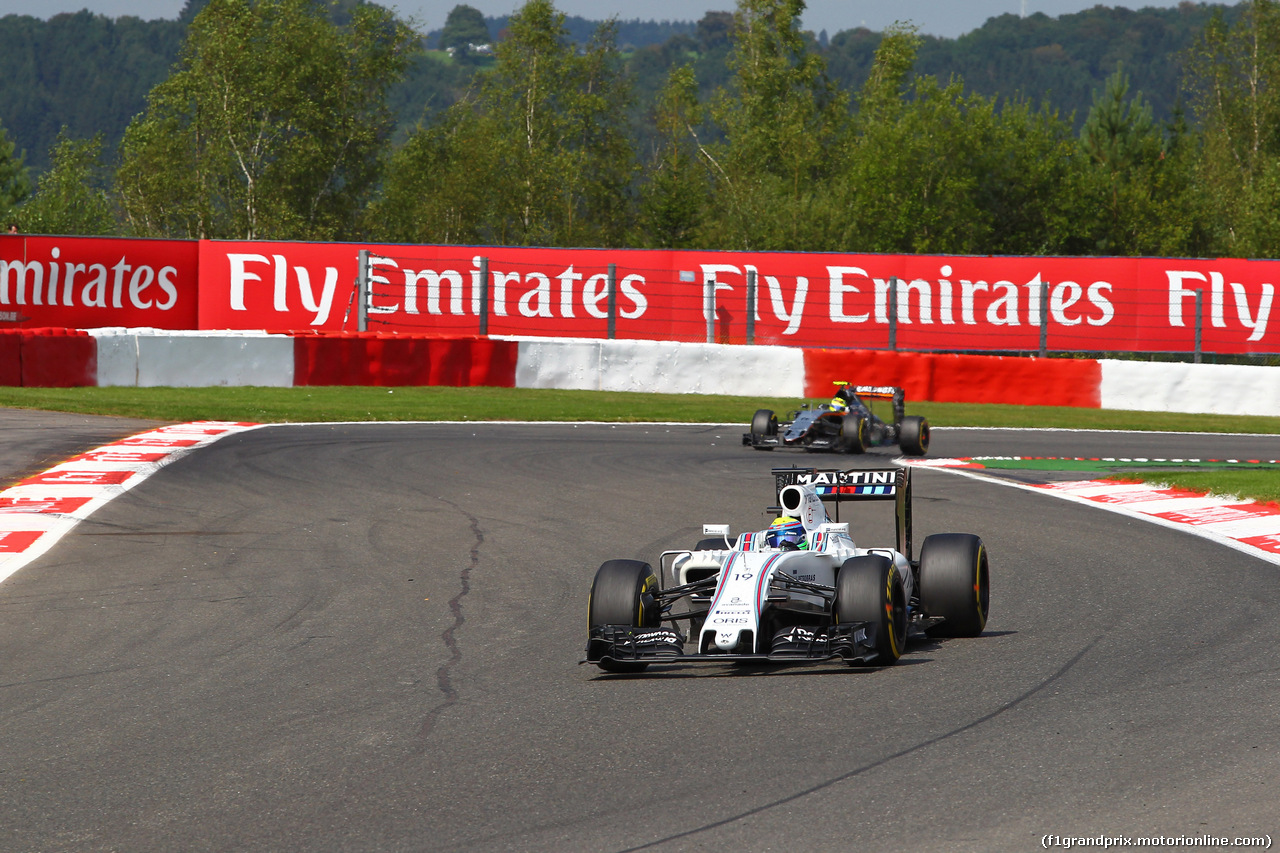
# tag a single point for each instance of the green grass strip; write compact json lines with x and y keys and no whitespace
{"x":1260,"y":485}
{"x":362,"y":403}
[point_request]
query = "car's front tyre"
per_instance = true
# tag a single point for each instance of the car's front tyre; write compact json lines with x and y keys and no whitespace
{"x":869,"y":589}
{"x":854,"y":433}
{"x":764,"y":423}
{"x":623,"y":594}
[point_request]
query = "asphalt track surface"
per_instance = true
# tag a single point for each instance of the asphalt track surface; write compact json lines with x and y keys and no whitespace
{"x":365,"y":638}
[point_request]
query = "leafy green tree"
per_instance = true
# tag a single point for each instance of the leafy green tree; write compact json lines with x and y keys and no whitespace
{"x":1135,"y":191}
{"x":464,"y":27}
{"x":913,"y":173}
{"x":273,"y":126}
{"x":1026,"y":164}
{"x":677,"y":192}
{"x":15,"y":185}
{"x":889,"y":79}
{"x":1120,"y":133}
{"x":560,"y":125}
{"x":944,"y":171}
{"x":441,"y":184}
{"x":539,"y":157}
{"x":1234,"y":78}
{"x":69,"y":198}
{"x":781,"y":118}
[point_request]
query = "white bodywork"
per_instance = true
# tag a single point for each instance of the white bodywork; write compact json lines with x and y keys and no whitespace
{"x":750,"y":568}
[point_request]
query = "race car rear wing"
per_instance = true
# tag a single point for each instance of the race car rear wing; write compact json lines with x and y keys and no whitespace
{"x":887,"y":392}
{"x":856,"y":484}
{"x":895,"y":395}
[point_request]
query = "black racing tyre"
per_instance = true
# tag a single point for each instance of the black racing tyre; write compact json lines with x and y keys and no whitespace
{"x":622,"y":594}
{"x":764,"y":422}
{"x":869,"y":589}
{"x":853,"y":433}
{"x":954,"y":583}
{"x":913,"y":435}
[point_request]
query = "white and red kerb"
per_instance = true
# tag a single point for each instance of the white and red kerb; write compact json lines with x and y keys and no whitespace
{"x":1247,"y":526}
{"x":1245,"y":522}
{"x":38,"y":511}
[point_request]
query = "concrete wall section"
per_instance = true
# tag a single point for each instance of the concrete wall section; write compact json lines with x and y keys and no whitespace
{"x":661,"y":367}
{"x":117,"y":359}
{"x":147,"y":358}
{"x":1221,"y":389}
{"x":201,"y":362}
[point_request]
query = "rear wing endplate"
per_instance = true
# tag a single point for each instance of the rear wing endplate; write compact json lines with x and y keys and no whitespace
{"x":856,"y":484}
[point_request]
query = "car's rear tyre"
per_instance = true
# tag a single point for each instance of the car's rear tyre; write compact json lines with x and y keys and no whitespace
{"x":853,"y":434}
{"x":622,"y":594}
{"x":869,"y":589}
{"x":913,"y":436}
{"x":764,"y":423}
{"x":955,"y":583}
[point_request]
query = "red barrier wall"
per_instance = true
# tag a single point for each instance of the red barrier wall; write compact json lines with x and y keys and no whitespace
{"x":960,"y":378}
{"x":58,"y":358}
{"x":1017,"y":381}
{"x":10,"y":358}
{"x":391,"y":360}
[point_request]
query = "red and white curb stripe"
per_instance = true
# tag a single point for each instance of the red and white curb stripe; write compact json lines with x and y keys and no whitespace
{"x":1244,"y":525}
{"x":38,"y":511}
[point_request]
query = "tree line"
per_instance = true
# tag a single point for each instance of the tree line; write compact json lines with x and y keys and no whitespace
{"x":277,"y":123}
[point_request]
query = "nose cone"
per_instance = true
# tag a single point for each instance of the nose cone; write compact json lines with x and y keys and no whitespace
{"x":726,"y":640}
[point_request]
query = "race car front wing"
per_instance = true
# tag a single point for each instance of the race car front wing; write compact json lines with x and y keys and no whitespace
{"x":853,"y":642}
{"x":815,"y":442}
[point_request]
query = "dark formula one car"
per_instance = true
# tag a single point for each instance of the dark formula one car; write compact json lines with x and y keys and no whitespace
{"x":846,"y":424}
{"x":800,"y":591}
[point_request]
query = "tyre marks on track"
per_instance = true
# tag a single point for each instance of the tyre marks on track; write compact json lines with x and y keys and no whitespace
{"x":444,"y":679}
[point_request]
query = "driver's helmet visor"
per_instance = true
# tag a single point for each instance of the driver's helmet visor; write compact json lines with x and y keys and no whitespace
{"x":791,"y":540}
{"x":786,"y":533}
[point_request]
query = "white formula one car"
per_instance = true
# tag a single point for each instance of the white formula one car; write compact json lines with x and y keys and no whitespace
{"x":815,"y":598}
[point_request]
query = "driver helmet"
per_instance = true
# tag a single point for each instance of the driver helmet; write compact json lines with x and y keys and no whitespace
{"x":788,"y":534}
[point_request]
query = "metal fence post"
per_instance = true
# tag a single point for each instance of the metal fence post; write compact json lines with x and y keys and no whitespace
{"x":1044,"y":319}
{"x":613,"y":301}
{"x":362,"y":292}
{"x":709,"y":306}
{"x":751,"y":307}
{"x":1199,"y":322}
{"x":893,"y":312}
{"x":484,"y":297}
